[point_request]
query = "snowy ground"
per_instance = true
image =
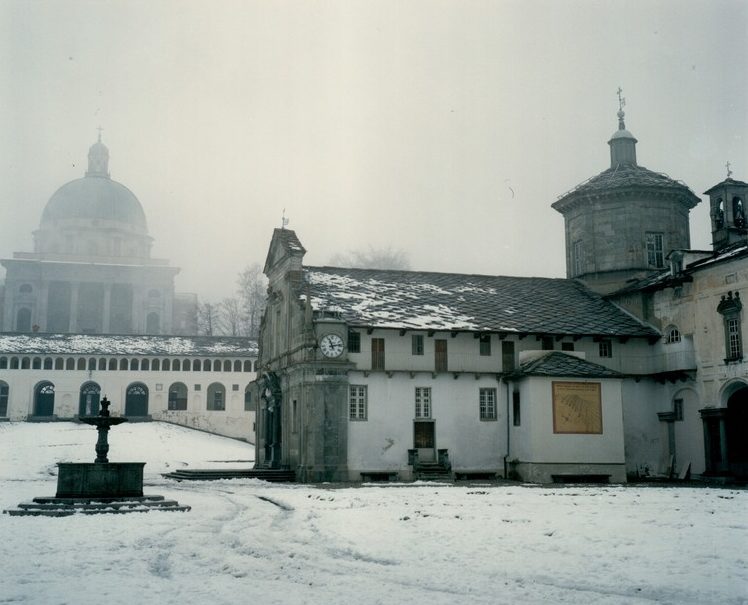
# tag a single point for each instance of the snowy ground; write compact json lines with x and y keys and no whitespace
{"x":246,"y":541}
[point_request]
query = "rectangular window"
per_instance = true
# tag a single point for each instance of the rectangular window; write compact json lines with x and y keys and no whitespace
{"x":678,"y":409}
{"x":377,"y":353}
{"x":423,"y":402}
{"x":487,"y":403}
{"x":606,"y":348}
{"x":577,"y":258}
{"x":294,"y":416}
{"x":440,"y":355}
{"x":655,"y":255}
{"x":546,"y":343}
{"x":354,"y":341}
{"x":516,"y":410}
{"x":357,"y":402}
{"x":417,"y":344}
{"x":734,"y":345}
{"x":507,"y":356}
{"x":567,"y":346}
{"x":485,"y":344}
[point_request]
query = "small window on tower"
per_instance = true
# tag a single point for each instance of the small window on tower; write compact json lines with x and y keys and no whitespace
{"x":655,"y":247}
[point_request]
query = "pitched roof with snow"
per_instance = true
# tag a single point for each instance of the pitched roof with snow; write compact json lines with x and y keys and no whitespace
{"x":555,"y":363}
{"x":447,"y":301}
{"x":94,"y":344}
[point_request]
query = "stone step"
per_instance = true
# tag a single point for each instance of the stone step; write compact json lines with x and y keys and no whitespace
{"x":64,"y":507}
{"x":273,"y":475}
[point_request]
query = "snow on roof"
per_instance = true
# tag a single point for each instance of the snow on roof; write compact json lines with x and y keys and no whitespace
{"x":96,"y":344}
{"x":447,"y":301}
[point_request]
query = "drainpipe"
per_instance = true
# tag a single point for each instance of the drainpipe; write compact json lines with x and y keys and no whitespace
{"x":508,"y":429}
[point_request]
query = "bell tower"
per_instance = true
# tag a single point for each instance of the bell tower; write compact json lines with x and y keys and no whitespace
{"x":728,"y":212}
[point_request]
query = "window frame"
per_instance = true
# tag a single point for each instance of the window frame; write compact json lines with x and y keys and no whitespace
{"x":422,"y":408}
{"x":487,"y":404}
{"x":354,"y":341}
{"x":605,"y":348}
{"x":655,"y":246}
{"x":417,"y":344}
{"x":358,"y":402}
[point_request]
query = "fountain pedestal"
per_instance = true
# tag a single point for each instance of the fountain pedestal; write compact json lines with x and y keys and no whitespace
{"x":99,"y":479}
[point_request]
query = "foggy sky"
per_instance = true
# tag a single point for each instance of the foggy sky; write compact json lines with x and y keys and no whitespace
{"x":443,"y":128}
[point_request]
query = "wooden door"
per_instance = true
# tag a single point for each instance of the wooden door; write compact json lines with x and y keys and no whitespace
{"x":377,"y":353}
{"x":423,"y":440}
{"x":440,"y":351}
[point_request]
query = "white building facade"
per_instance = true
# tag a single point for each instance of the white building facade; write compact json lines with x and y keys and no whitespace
{"x":198,"y":382}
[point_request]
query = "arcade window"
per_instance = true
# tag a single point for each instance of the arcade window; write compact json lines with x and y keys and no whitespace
{"x":487,"y":403}
{"x":606,"y":348}
{"x":423,"y":402}
{"x":357,"y":402}
{"x":655,"y":255}
{"x":672,"y":335}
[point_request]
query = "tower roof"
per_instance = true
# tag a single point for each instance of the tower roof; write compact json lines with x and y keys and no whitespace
{"x":628,"y":179}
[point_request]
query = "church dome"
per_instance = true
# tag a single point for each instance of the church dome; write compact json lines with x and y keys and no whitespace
{"x":96,"y":197}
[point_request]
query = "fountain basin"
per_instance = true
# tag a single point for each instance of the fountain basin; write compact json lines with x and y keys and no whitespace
{"x":99,"y":479}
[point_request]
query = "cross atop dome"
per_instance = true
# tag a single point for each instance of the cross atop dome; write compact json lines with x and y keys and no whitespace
{"x":98,"y":159}
{"x":621,"y":113}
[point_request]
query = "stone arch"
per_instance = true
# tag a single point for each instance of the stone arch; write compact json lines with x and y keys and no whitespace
{"x":136,"y":400}
{"x":178,"y":396}
{"x":90,"y":395}
{"x":44,"y":399}
{"x":725,"y":447}
{"x":216,"y":397}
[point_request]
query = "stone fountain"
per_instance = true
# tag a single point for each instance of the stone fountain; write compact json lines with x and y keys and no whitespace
{"x":100,"y":478}
{"x":99,"y":486}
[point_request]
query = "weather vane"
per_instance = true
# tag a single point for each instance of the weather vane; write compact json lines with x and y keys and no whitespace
{"x":621,"y":105}
{"x":621,"y":100}
{"x":284,"y":220}
{"x":729,"y":172}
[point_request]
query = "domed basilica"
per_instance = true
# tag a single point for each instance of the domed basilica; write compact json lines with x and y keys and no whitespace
{"x":91,"y":270}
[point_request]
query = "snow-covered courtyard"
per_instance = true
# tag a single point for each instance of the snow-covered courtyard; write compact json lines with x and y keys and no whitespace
{"x":246,"y":541}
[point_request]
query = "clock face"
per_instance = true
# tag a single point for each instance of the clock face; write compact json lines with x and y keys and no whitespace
{"x":331,"y":345}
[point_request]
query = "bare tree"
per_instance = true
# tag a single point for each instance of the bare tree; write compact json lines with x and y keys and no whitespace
{"x":373,"y":258}
{"x":231,"y":316}
{"x":208,"y":319}
{"x":252,"y":288}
